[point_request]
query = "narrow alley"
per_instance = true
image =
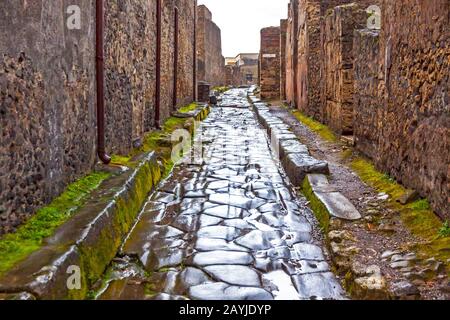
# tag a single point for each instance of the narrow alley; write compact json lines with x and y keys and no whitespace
{"x":227,"y":226}
{"x":205,"y":150}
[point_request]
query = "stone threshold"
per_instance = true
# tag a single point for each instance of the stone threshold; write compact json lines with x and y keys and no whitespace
{"x":77,"y":254}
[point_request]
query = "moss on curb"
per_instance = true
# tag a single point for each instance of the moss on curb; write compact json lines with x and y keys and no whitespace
{"x":190,"y":107}
{"x":315,"y":126}
{"x":28,"y":238}
{"x":221,"y":89}
{"x":319,"y":210}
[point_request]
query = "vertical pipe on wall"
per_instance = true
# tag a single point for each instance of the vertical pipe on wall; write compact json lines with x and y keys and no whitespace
{"x":158,"y":64}
{"x":195,"y":52}
{"x":175,"y":60}
{"x":100,"y":77}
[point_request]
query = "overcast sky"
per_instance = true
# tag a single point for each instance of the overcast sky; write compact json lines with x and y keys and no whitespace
{"x":242,"y":20}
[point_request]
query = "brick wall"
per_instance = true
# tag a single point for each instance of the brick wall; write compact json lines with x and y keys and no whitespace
{"x":211,"y":62}
{"x":48,"y":91}
{"x":270,"y":63}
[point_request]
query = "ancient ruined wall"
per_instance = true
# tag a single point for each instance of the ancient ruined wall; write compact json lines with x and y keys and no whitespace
{"x":310,"y":79}
{"x":292,"y":53}
{"x":270,"y":63}
{"x":131,"y":66}
{"x":130,"y":71}
{"x":283,"y":42}
{"x":415,"y":143}
{"x":185,"y":84}
{"x":337,"y":68}
{"x":211,"y":62}
{"x":308,"y":59}
{"x":402,"y":96}
{"x":47,"y":104}
{"x":48,"y":91}
{"x":369,"y":82}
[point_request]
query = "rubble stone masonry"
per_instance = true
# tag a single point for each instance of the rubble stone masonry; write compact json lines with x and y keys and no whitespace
{"x":291,"y":53}
{"x":402,"y":117}
{"x":394,"y":83}
{"x":283,"y":39}
{"x":211,"y":63}
{"x":48,"y":91}
{"x":338,"y":87}
{"x":415,"y":143}
{"x":270,"y":63}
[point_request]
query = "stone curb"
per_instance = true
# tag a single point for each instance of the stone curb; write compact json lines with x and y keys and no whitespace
{"x":301,"y":167}
{"x":294,"y":156}
{"x":336,"y":204}
{"x":90,"y":240}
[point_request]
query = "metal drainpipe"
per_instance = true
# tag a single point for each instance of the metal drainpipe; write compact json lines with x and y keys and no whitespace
{"x":195,"y":52}
{"x":175,"y":61}
{"x":158,"y":65}
{"x":100,"y":74}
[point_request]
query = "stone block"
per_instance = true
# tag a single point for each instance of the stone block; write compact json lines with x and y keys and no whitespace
{"x":297,"y":166}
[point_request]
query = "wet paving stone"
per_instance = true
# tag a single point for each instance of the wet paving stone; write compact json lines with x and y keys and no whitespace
{"x":223,"y":291}
{"x":211,"y":258}
{"x":318,"y":286}
{"x":235,"y":275}
{"x":227,"y":225}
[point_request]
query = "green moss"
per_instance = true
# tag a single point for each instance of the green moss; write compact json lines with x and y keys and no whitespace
{"x":315,"y":126}
{"x":420,"y":205}
{"x":221,"y":89}
{"x":28,"y":238}
{"x":320,"y":211}
{"x":120,"y":160}
{"x":346,"y":154}
{"x":189,"y":108}
{"x":379,"y":181}
{"x":173,"y":124}
{"x":417,"y":216}
{"x":444,"y":231}
{"x":150,"y":290}
{"x":96,"y":258}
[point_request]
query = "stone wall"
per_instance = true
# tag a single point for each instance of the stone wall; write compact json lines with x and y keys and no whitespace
{"x":211,"y":62}
{"x":310,"y":56}
{"x":283,"y":43}
{"x":291,"y":53}
{"x":415,"y":143}
{"x":337,"y":67}
{"x":394,"y":83}
{"x":402,"y":116}
{"x":308,"y":59}
{"x":270,"y":63}
{"x":369,"y":81}
{"x":48,"y":91}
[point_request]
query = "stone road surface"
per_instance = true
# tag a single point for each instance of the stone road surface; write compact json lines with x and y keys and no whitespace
{"x":226,"y":227}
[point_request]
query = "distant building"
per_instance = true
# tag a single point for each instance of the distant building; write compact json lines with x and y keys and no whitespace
{"x":230,"y":61}
{"x":242,"y":69}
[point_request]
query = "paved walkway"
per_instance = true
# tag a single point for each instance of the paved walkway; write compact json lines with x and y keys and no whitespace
{"x":226,"y":227}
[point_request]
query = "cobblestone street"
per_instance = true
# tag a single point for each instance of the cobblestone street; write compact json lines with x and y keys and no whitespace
{"x":227,"y":227}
